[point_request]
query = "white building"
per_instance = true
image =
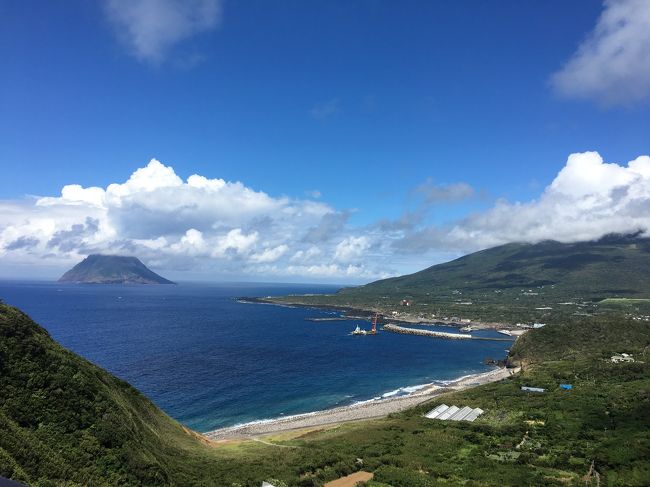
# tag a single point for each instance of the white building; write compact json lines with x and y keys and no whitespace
{"x":622,"y":357}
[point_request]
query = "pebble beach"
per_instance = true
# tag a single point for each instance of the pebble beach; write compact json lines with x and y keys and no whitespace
{"x":364,"y":410}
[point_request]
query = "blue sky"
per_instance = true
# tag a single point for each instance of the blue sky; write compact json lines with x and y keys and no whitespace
{"x":378,"y":111}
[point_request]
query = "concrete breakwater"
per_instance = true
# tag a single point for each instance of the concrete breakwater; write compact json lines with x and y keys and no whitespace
{"x":437,"y":334}
{"x":429,"y":333}
{"x":338,"y":318}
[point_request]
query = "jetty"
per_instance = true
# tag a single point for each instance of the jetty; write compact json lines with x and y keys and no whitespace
{"x":429,"y":333}
{"x":337,"y":318}
{"x":438,"y":334}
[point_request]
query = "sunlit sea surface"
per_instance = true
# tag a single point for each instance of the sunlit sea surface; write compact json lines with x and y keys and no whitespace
{"x":210,"y":361}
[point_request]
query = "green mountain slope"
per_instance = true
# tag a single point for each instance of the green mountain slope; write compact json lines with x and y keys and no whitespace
{"x":67,"y":422}
{"x":112,"y":269}
{"x":548,"y":282}
{"x":613,"y":266}
{"x":65,"y":419}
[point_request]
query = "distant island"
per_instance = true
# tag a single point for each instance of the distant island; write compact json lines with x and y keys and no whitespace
{"x":112,"y":269}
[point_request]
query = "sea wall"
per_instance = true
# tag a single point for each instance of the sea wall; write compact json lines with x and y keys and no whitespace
{"x":440,"y":334}
{"x":429,"y":333}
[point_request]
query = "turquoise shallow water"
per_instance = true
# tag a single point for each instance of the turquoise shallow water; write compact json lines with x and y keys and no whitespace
{"x":210,"y":361}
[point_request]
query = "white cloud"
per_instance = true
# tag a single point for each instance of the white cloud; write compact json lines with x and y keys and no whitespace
{"x":73,"y":194}
{"x":612,"y":65}
{"x":270,"y":254}
{"x":154,"y":199}
{"x":351,"y":248}
{"x":335,"y":271}
{"x":587,"y":174}
{"x":218,"y":228}
{"x":306,"y":255}
{"x":587,"y":199}
{"x":152,"y":243}
{"x":150,"y":28}
{"x":192,"y":243}
{"x":235,"y":242}
{"x":154,"y":175}
{"x":199,"y":224}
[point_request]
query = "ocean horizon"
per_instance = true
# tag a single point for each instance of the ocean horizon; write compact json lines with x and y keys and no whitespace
{"x":210,"y":361}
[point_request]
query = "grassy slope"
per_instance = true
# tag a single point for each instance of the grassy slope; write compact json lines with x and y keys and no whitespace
{"x":609,"y":267}
{"x":605,"y":418}
{"x":65,"y":421}
{"x":68,"y":422}
{"x":510,"y":282}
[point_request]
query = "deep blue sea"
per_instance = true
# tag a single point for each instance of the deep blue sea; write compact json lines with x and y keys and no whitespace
{"x":210,"y":361}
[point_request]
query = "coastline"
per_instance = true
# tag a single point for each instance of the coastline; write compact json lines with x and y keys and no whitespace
{"x":371,"y":409}
{"x":356,"y":313}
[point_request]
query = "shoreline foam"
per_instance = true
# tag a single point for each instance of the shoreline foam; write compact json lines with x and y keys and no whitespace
{"x":370,"y":409}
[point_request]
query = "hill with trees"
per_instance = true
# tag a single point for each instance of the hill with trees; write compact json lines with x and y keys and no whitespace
{"x":548,"y":281}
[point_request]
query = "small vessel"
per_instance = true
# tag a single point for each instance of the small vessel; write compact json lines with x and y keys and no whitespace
{"x":467,"y":329}
{"x":373,"y":331}
{"x":505,"y":332}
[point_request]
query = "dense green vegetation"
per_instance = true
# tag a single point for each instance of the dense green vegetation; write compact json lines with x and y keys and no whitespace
{"x":604,"y":419}
{"x":548,"y":282}
{"x":612,"y":266}
{"x":62,"y":418}
{"x":112,"y":269}
{"x":65,"y":421}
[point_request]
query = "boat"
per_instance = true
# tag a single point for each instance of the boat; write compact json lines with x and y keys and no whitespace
{"x":359,"y":331}
{"x":373,"y":331}
{"x":505,"y":332}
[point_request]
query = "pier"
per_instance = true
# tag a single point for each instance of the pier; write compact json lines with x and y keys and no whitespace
{"x":438,"y":334}
{"x":338,"y":318}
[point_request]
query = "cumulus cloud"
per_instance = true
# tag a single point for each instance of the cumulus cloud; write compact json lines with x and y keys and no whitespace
{"x":306,"y":255}
{"x":223,"y":229}
{"x":154,"y":200}
{"x":270,"y":254}
{"x":150,"y":28}
{"x":351,"y":248}
{"x":203,"y":224}
{"x":587,"y":199}
{"x":612,"y":65}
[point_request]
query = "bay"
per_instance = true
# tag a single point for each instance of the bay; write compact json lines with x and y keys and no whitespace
{"x":210,"y":361}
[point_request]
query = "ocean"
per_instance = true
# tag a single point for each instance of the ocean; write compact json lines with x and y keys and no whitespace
{"x":210,"y":361}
